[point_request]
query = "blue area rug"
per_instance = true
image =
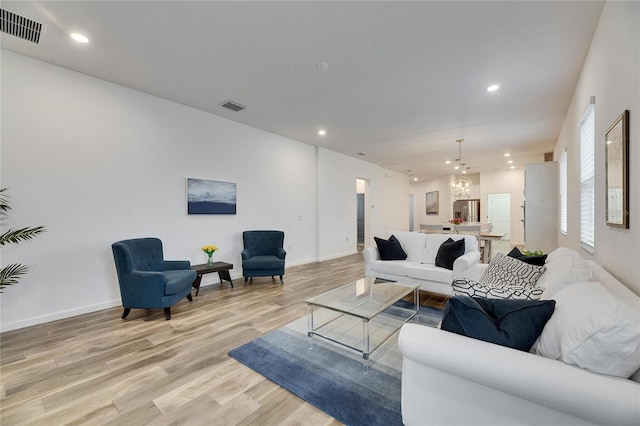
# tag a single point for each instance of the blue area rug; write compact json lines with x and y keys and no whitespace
{"x":331,"y":377}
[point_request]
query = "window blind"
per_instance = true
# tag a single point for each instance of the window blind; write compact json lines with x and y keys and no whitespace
{"x":587,"y":172}
{"x":563,"y":191}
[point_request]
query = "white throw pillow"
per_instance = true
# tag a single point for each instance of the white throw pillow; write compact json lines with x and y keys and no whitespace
{"x":561,"y":252}
{"x":508,"y":271}
{"x":592,"y":329}
{"x":562,"y":272}
{"x":412,"y":243}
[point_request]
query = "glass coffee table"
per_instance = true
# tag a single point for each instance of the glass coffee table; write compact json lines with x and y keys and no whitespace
{"x":367,"y":301}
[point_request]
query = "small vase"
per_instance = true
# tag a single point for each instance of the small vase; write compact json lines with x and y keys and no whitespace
{"x":210,"y":261}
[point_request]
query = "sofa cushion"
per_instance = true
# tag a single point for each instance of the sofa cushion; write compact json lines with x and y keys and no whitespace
{"x":512,"y":323}
{"x":562,"y":272}
{"x":426,"y":272}
{"x":594,"y":330}
{"x":468,"y":287}
{"x":412,"y":243}
{"x":448,"y":252}
{"x":393,"y":267}
{"x":390,"y":249}
{"x":505,"y":271}
{"x":532,"y":260}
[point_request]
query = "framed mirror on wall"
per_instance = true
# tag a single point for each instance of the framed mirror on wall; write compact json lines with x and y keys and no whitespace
{"x":617,"y":172}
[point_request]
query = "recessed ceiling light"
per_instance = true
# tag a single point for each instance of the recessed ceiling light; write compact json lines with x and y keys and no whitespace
{"x":510,"y":161}
{"x":464,"y":172}
{"x":322,"y":132}
{"x":456,"y":167}
{"x":507,"y":155}
{"x":512,"y":167}
{"x":415,"y":179}
{"x":493,"y":88}
{"x":447,"y":162}
{"x":322,"y":66}
{"x":79,"y":38}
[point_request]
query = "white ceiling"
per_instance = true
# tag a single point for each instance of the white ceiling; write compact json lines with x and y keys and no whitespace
{"x":404,"y":79}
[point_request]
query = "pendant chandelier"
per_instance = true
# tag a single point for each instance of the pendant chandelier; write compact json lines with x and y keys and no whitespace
{"x":460,"y":186}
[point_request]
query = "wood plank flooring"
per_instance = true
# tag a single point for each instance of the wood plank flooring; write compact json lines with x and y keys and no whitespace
{"x":99,"y":369}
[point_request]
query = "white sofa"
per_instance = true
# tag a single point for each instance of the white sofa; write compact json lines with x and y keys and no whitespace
{"x":451,"y":379}
{"x":419,"y":266}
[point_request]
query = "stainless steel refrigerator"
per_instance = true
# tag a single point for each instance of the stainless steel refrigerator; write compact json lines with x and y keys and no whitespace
{"x":467,"y":210}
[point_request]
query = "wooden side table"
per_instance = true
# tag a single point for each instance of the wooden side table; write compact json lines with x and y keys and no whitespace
{"x":222,"y":268}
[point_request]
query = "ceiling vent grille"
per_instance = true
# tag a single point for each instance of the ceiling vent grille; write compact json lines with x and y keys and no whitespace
{"x":19,"y":26}
{"x":233,"y":106}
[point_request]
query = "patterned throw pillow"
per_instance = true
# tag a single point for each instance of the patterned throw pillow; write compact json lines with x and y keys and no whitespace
{"x":507,"y":271}
{"x":467,"y":287}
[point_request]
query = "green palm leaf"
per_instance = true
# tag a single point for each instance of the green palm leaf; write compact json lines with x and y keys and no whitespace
{"x":4,"y":203}
{"x":16,"y":235}
{"x":10,"y":274}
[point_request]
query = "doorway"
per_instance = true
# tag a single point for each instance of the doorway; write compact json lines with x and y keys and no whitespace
{"x":411,"y":212}
{"x":362,"y":219}
{"x":499,"y":213}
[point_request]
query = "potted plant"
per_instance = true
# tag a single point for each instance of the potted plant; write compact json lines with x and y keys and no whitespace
{"x":11,"y":274}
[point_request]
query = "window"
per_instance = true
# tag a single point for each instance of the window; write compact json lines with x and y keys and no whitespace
{"x":563,"y":191}
{"x":587,"y":181}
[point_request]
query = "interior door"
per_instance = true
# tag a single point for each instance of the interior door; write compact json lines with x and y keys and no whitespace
{"x":499,"y":211}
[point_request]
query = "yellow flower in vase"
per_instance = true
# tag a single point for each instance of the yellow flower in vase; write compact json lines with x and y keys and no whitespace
{"x":209,"y":250}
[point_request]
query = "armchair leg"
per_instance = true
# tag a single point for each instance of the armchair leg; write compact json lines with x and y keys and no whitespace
{"x":167,"y":313}
{"x":281,"y":280}
{"x":189,"y":297}
{"x":245,"y":280}
{"x":126,"y":312}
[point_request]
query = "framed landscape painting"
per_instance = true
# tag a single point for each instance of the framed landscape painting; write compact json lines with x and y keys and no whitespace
{"x":210,"y":197}
{"x":432,"y":202}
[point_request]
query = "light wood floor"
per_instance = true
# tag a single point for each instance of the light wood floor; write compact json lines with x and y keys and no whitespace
{"x":100,"y":369}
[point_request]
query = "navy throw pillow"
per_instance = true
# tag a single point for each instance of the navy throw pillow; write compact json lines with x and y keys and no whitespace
{"x":507,"y":322}
{"x":531,"y":260}
{"x":390,"y":249}
{"x":448,"y":252}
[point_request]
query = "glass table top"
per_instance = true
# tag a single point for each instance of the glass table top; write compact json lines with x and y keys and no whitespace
{"x":363,"y":298}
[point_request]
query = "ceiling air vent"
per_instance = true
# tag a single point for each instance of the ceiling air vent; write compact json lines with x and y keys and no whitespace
{"x":233,"y":106}
{"x":19,"y":26}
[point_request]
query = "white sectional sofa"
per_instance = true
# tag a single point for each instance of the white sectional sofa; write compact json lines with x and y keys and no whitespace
{"x":419,"y":266}
{"x":451,"y":379}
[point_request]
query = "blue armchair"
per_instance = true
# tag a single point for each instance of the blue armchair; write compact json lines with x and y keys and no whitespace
{"x":263,"y":254}
{"x":147,"y":281}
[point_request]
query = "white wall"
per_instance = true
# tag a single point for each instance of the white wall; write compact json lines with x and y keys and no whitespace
{"x":386,"y":208}
{"x":96,"y":162}
{"x":445,"y":204}
{"x":611,"y":73}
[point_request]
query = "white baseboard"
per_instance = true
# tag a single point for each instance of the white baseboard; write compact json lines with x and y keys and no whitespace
{"x":116,"y":302}
{"x":59,"y":315}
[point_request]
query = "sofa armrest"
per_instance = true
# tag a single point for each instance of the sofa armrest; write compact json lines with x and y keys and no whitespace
{"x":281,"y":253}
{"x":464,"y":262}
{"x":245,"y":254}
{"x":176,"y":264}
{"x":142,"y":288}
{"x":474,"y":272}
{"x":370,"y":254}
{"x":553,"y":384}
